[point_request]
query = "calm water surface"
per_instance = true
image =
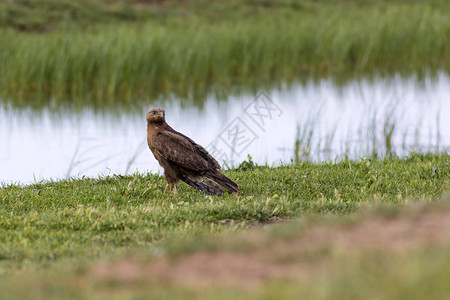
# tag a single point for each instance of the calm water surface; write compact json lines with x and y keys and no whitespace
{"x":328,"y":121}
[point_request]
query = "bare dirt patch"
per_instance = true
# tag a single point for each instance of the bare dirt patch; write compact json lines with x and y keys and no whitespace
{"x":265,"y":258}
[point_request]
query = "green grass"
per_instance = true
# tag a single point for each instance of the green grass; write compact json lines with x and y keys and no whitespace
{"x":193,"y":53}
{"x":333,"y":272}
{"x":45,"y":223}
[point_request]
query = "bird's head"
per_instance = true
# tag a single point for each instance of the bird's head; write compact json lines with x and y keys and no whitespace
{"x":156,"y":115}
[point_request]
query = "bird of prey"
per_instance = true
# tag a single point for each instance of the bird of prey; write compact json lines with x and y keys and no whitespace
{"x":183,"y":159}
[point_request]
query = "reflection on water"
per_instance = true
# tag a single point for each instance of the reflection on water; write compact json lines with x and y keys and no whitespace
{"x":387,"y":115}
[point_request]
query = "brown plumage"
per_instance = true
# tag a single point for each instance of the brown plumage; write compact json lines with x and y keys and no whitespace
{"x":183,"y":159}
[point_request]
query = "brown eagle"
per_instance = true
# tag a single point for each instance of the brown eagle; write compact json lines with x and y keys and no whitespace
{"x":183,"y":159}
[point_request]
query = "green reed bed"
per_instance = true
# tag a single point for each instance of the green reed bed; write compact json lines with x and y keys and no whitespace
{"x":133,"y":62}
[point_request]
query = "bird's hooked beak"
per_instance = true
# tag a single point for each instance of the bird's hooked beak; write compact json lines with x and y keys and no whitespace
{"x":160,"y":114}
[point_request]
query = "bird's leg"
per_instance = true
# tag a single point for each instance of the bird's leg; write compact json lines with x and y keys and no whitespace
{"x":171,"y":187}
{"x":173,"y":190}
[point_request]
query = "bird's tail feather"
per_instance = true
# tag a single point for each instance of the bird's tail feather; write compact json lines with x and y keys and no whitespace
{"x":226,"y":182}
{"x":205,"y":185}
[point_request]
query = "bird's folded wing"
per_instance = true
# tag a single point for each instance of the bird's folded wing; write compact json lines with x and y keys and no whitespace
{"x":204,"y":153}
{"x":179,"y":150}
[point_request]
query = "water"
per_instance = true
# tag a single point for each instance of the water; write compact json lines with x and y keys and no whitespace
{"x":330,"y":121}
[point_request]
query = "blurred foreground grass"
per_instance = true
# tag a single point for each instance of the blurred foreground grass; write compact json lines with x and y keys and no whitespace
{"x":190,"y":50}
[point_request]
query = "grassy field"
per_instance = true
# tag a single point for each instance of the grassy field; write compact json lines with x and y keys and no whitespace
{"x":188,"y":51}
{"x":92,"y":218}
{"x":225,"y":267}
{"x":78,"y":238}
